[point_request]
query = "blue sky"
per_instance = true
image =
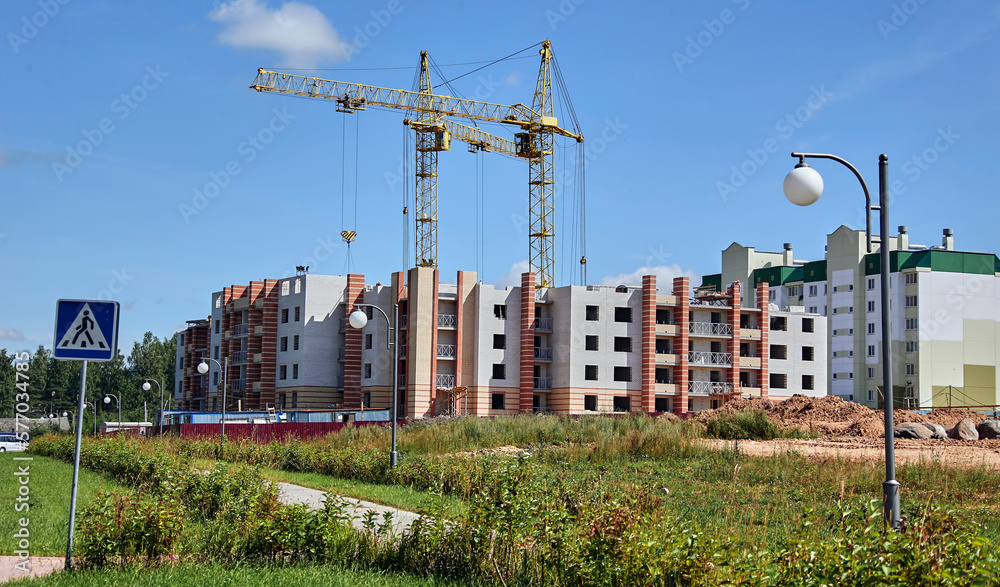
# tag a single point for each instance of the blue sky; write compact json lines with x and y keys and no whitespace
{"x":116,"y":116}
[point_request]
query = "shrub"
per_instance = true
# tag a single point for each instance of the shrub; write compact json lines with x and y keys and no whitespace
{"x":127,"y":529}
{"x":744,"y":425}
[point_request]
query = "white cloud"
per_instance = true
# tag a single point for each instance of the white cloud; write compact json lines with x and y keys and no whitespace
{"x":10,"y":334}
{"x":665,"y":275}
{"x":303,"y":36}
{"x":513,"y":277}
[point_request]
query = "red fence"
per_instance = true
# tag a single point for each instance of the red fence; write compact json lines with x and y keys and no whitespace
{"x":269,"y":432}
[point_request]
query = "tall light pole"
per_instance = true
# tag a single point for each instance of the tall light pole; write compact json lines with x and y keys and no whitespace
{"x":118,"y":400}
{"x":203,"y":369}
{"x":359,"y":319}
{"x":803,"y":186}
{"x":159,"y":384}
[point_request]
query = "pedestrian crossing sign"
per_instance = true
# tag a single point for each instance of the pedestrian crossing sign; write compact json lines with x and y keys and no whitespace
{"x":86,"y":330}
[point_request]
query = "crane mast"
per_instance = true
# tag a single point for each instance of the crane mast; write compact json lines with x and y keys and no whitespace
{"x":434,"y":131}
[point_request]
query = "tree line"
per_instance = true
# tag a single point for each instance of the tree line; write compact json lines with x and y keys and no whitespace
{"x":54,"y":385}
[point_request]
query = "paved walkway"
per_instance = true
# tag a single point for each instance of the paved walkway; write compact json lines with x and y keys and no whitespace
{"x":313,"y":498}
{"x":39,"y":567}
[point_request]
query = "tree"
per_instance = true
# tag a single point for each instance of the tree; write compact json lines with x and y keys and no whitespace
{"x":7,"y":381}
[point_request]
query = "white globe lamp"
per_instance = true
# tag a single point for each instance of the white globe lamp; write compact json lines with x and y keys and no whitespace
{"x":803,"y":185}
{"x":203,"y":368}
{"x":358,"y":319}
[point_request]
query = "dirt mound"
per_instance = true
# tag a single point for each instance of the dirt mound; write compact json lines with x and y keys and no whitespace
{"x":833,"y":416}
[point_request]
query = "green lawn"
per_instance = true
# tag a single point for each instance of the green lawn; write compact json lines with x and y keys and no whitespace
{"x":211,"y":576}
{"x":48,"y":514}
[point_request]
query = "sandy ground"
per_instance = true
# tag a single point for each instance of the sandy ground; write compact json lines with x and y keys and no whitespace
{"x":955,"y":453}
{"x":39,"y":565}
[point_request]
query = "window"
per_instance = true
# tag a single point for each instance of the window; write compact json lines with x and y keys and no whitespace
{"x":662,"y":404}
{"x":911,"y":301}
{"x":216,"y":352}
{"x":590,"y":372}
{"x":779,"y":323}
{"x":911,"y":278}
{"x":911,"y":369}
{"x":779,"y":351}
{"x":813,"y":290}
{"x":871,"y":350}
{"x":623,"y":344}
{"x":218,"y":301}
{"x":369,"y":312}
{"x":215,"y":378}
{"x":871,"y":328}
{"x":497,"y":400}
{"x":218,"y":324}
{"x":622,"y":403}
{"x":181,"y":342}
{"x":591,"y":342}
{"x":871,"y":372}
{"x":368,"y":370}
{"x":814,"y":309}
{"x":284,"y":288}
{"x":298,"y":313}
{"x":807,"y":382}
{"x":295,"y":400}
{"x":298,"y":286}
{"x":871,"y":283}
{"x":295,"y":371}
{"x":499,"y":341}
{"x":500,"y":311}
{"x":871,"y":305}
{"x":367,"y":401}
{"x":778,"y":381}
{"x":499,"y":371}
{"x":295,"y":343}
{"x":871,"y":395}
{"x":807,"y":325}
{"x":284,"y":315}
{"x":808,"y":353}
{"x":911,"y":323}
{"x":593,"y":313}
{"x":283,"y":372}
{"x":368,"y":341}
{"x":911,"y":346}
{"x":623,"y":314}
{"x":284,"y":343}
{"x":623,"y":373}
{"x":281,"y":401}
{"x":590,"y":403}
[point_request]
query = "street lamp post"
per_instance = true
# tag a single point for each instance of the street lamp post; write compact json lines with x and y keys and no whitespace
{"x":159,"y":385}
{"x":358,"y":320}
{"x":203,"y":369}
{"x":118,"y":400}
{"x":803,"y":186}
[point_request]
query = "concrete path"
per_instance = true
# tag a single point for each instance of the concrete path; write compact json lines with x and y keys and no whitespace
{"x":313,"y":498}
{"x":11,"y":567}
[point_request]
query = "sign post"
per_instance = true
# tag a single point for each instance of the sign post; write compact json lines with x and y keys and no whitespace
{"x":86,"y":330}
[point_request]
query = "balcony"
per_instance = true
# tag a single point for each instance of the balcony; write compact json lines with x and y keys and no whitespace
{"x":447,"y":321}
{"x":402,"y":351}
{"x":241,"y":330}
{"x":239,"y":358}
{"x":543,"y":383}
{"x":543,"y":353}
{"x":258,"y":358}
{"x":669,"y":329}
{"x":544,"y":324}
{"x":709,"y":388}
{"x":446,"y":351}
{"x":238,"y":385}
{"x":666,"y":388}
{"x":749,"y":391}
{"x":705,"y":358}
{"x":258,"y":330}
{"x":710,"y":302}
{"x":750,"y":333}
{"x":402,"y":321}
{"x":710,"y":329}
{"x":749,"y":362}
{"x":667,"y":359}
{"x":445,"y":381}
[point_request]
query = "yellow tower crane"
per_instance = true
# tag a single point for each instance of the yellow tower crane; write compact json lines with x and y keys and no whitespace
{"x":434,"y":131}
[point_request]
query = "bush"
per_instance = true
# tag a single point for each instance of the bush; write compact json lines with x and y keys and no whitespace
{"x":745,"y":425}
{"x":127,"y":529}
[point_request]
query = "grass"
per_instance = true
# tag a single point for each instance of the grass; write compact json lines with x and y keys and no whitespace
{"x":48,"y":516}
{"x":213,"y":575}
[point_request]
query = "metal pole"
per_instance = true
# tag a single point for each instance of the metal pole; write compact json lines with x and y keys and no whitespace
{"x":159,"y":422}
{"x":118,"y":399}
{"x":393,"y":455}
{"x":76,"y":467}
{"x":225,"y":376}
{"x":890,"y":488}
